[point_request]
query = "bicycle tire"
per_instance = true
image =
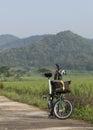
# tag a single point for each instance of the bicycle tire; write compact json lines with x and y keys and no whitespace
{"x":63,"y":109}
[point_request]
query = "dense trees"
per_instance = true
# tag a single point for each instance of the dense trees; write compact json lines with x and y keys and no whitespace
{"x":66,"y":48}
{"x":4,"y":70}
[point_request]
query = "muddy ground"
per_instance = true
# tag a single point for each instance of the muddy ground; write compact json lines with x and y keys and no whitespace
{"x":19,"y":116}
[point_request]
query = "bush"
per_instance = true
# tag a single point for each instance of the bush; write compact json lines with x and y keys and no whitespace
{"x":1,"y":85}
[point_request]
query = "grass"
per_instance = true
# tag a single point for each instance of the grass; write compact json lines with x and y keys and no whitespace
{"x":31,"y":92}
{"x":82,"y":98}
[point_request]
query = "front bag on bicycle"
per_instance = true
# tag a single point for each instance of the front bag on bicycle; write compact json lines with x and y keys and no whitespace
{"x":60,"y":86}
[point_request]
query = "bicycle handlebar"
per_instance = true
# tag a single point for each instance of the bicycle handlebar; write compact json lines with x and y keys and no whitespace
{"x":57,"y":66}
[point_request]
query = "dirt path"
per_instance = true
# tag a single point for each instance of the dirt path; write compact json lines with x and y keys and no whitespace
{"x":19,"y":116}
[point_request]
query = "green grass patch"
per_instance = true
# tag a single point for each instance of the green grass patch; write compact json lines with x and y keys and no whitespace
{"x":30,"y":92}
{"x":83,"y":113}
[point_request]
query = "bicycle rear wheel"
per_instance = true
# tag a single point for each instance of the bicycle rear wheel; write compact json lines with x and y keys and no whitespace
{"x":63,"y":109}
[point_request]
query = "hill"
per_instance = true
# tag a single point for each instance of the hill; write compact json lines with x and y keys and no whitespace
{"x":9,"y":41}
{"x":6,"y":40}
{"x":70,"y":50}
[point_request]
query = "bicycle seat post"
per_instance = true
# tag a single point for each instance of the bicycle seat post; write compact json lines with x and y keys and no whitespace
{"x":49,"y":75}
{"x":49,"y":84}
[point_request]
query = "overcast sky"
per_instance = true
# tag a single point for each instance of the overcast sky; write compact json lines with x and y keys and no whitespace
{"x":25,"y":18}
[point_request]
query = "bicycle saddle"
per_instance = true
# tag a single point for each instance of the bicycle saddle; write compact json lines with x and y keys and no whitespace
{"x":48,"y":75}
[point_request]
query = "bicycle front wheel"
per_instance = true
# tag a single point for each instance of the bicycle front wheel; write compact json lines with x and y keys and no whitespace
{"x":63,"y":109}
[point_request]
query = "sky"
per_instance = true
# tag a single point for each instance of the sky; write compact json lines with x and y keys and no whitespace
{"x":24,"y":18}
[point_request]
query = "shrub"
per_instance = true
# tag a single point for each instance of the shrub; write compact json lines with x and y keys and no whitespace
{"x":1,"y":85}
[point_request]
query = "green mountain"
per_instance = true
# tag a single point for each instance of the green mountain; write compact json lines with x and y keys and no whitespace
{"x":70,"y":50}
{"x":9,"y":41}
{"x":6,"y":40}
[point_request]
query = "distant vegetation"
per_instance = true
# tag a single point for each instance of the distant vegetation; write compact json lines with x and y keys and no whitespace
{"x":66,"y":48}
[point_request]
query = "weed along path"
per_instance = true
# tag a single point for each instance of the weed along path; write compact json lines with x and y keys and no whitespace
{"x":19,"y":116}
